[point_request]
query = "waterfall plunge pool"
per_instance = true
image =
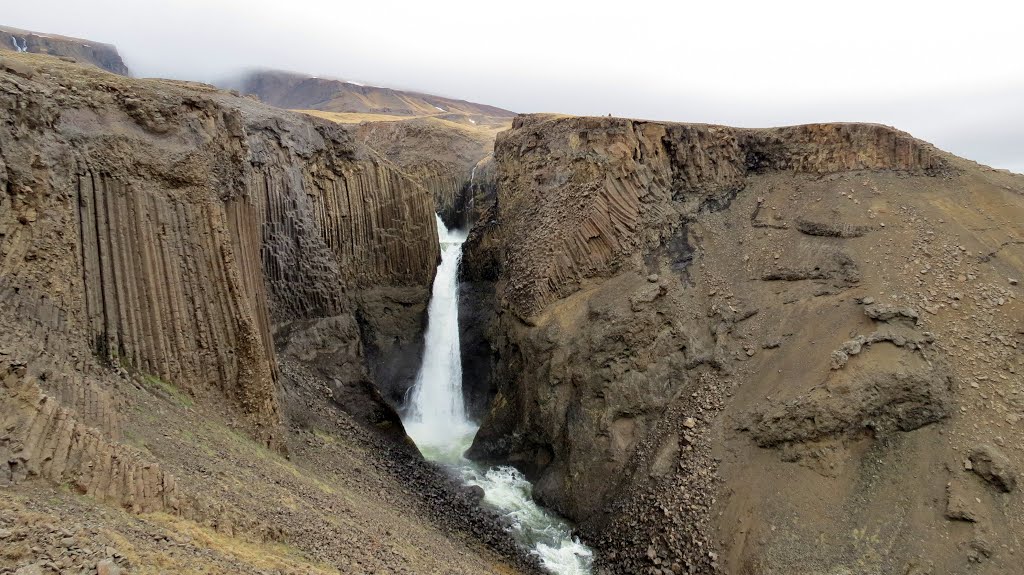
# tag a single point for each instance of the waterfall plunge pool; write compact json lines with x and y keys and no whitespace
{"x":435,"y":418}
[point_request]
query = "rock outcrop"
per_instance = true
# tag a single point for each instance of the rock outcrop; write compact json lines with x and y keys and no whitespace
{"x":446,"y":145}
{"x":104,"y":56}
{"x":170,"y":234}
{"x":454,"y":161}
{"x":685,"y":354}
{"x":42,"y":439}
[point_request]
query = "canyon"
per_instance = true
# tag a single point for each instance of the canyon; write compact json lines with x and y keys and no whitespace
{"x":710,"y":349}
{"x":192,"y":284}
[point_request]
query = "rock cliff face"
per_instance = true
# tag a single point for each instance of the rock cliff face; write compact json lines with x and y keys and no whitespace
{"x":756,"y":351}
{"x":206,"y":302}
{"x":455,"y":162}
{"x":169,"y":232}
{"x":104,"y":56}
{"x":439,"y":142}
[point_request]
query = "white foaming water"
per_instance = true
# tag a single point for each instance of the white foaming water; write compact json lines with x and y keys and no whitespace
{"x":436,"y":415}
{"x":436,"y":420}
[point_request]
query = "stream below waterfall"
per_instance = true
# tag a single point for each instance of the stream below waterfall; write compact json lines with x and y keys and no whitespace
{"x":435,"y":418}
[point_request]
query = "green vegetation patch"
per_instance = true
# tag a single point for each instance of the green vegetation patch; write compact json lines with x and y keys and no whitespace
{"x":167,"y":390}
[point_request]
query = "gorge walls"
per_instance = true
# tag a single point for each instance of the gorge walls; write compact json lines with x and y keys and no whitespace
{"x":622,"y":187}
{"x":169,"y":235}
{"x":452,"y":158}
{"x":681,"y":330}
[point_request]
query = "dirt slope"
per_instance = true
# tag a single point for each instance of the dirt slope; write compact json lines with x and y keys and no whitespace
{"x":196,"y":291}
{"x":793,"y":350}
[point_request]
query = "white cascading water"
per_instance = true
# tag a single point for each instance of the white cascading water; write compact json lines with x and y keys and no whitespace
{"x":472,"y":176}
{"x":435,"y":418}
{"x":436,"y":413}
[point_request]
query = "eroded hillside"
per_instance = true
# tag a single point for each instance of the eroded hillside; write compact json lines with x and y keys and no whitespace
{"x":197,"y":293}
{"x":791,"y":350}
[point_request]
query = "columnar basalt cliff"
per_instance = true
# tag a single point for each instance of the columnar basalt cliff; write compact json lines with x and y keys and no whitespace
{"x":715,"y":348}
{"x":439,"y":142}
{"x":453,"y":161}
{"x":240,"y":217}
{"x":200,"y":292}
{"x":753,"y":351}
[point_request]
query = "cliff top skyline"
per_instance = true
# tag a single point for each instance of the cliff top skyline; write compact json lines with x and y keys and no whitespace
{"x":939,"y":73}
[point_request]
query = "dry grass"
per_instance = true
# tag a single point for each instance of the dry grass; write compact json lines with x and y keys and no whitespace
{"x":488,"y":127}
{"x":355,"y":117}
{"x":260,"y":556}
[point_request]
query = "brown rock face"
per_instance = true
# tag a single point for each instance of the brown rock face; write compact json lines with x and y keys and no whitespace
{"x":446,"y":145}
{"x":665,"y":168}
{"x":167,"y":232}
{"x":104,"y":56}
{"x":454,"y":161}
{"x":44,"y":440}
{"x":715,"y":348}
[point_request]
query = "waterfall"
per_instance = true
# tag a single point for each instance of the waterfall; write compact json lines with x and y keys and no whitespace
{"x":23,"y":47}
{"x":435,"y":418}
{"x":436,"y":413}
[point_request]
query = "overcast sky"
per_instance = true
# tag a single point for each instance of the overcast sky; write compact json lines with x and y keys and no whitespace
{"x":949,"y":72}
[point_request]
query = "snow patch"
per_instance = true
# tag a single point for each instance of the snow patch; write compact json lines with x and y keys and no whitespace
{"x":440,"y":108}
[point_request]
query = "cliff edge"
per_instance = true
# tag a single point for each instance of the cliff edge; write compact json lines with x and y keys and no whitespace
{"x":196,"y":291}
{"x":755,"y":351}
